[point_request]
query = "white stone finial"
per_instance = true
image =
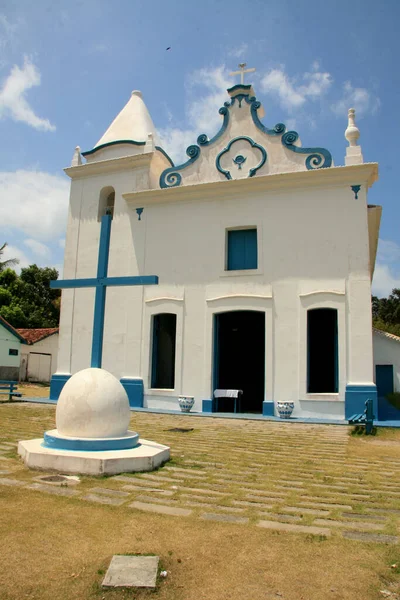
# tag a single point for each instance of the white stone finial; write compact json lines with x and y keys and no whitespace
{"x":77,"y":158}
{"x":352,"y":133}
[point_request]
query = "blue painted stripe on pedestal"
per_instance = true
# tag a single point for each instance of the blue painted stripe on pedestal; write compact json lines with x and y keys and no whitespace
{"x":135,"y":390}
{"x":268,"y":409}
{"x":56,"y":385}
{"x":355,"y":398}
{"x":57,"y":442}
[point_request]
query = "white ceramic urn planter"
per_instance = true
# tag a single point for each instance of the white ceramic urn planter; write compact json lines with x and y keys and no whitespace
{"x":285,"y":409}
{"x":186,"y":403}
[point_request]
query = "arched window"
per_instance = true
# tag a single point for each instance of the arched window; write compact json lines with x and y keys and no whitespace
{"x":163,"y":351}
{"x":322,"y":351}
{"x":106,"y":202}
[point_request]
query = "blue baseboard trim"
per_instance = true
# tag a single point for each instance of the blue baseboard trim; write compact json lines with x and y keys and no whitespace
{"x":135,"y":390}
{"x":268,"y":409}
{"x":208,"y":405}
{"x":56,"y":385}
{"x":355,"y":398}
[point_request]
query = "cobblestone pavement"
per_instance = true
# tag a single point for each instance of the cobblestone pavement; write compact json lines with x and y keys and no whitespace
{"x":298,"y":478}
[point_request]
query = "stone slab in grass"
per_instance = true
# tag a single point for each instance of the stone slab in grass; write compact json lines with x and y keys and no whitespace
{"x":104,"y":499}
{"x":349,"y":524}
{"x":132,"y":571}
{"x":5,"y":481}
{"x":57,"y":491}
{"x":224,"y":518}
{"x":360,"y":536}
{"x":108,"y":492}
{"x":159,"y":508}
{"x":277,"y":526}
{"x":142,"y":488}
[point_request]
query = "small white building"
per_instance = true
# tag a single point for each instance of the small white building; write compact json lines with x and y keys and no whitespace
{"x":258,"y":255}
{"x":387,"y":372}
{"x":39,"y":355}
{"x":11,"y":343}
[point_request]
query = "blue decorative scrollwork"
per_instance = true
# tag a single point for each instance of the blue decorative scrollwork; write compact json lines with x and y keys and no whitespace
{"x":278,"y":129}
{"x":319,"y":158}
{"x":317,"y":155}
{"x":241,"y":158}
{"x":203,"y":139}
{"x":170,"y":177}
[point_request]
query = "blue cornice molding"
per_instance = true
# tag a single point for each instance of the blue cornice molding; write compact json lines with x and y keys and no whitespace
{"x":319,"y":158}
{"x":239,"y":86}
{"x":89,"y":152}
{"x":253,"y":144}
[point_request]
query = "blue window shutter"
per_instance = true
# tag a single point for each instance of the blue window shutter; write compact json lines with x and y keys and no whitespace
{"x":242,"y":249}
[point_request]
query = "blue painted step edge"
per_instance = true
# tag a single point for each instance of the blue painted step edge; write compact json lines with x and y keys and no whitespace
{"x":268,"y":408}
{"x":356,"y":397}
{"x":56,"y":385}
{"x":135,"y":390}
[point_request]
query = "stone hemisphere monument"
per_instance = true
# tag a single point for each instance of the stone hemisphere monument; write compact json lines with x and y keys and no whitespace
{"x":92,"y":435}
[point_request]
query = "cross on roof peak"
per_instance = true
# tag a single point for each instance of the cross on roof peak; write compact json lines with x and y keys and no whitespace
{"x":243,"y":70}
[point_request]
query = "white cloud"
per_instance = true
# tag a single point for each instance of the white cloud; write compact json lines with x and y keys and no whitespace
{"x":34,"y":202}
{"x":7,"y":36}
{"x":293,"y":92}
{"x":238,"y":51}
{"x":11,"y":252}
{"x":386,"y":276}
{"x":61,"y":243}
{"x":384,"y":281}
{"x":38,"y":249}
{"x":201,"y":111}
{"x":361,"y":99}
{"x":13,"y":103}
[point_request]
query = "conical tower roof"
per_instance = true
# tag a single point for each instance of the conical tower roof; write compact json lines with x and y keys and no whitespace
{"x":133,"y":123}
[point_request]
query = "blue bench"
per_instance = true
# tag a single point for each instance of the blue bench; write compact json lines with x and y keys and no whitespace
{"x":366,"y":418}
{"x":8,"y":387}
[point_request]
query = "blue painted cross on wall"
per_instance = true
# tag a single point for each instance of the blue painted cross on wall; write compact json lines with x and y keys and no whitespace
{"x":101,"y":283}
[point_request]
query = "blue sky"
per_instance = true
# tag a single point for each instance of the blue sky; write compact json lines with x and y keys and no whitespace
{"x":67,"y":69}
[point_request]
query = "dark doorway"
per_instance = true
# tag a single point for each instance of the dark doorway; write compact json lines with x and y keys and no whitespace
{"x":163,"y":355}
{"x":322,"y":339}
{"x":239,"y":358}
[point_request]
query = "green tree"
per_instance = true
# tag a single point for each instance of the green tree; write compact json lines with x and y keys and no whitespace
{"x":5,"y":264}
{"x":27,"y":300}
{"x":386,"y":312}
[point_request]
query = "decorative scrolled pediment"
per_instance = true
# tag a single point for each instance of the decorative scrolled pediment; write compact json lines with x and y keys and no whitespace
{"x":242,"y":145}
{"x":252,"y":154}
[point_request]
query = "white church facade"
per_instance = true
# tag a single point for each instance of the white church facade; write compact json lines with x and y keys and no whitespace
{"x":247,"y":267}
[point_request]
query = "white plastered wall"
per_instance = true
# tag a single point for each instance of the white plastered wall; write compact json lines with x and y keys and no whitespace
{"x":7,"y":342}
{"x":312,"y":240}
{"x":48,"y":345}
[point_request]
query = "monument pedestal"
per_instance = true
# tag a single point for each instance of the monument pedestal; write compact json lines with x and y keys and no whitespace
{"x":146,"y":456}
{"x":92,"y":435}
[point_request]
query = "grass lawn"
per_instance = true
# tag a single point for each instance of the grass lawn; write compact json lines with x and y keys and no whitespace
{"x":34,"y":390}
{"x":56,"y":546}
